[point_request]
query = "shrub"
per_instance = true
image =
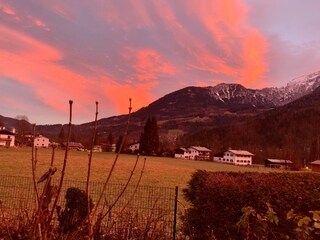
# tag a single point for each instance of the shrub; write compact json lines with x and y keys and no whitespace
{"x":75,"y":210}
{"x":217,"y":199}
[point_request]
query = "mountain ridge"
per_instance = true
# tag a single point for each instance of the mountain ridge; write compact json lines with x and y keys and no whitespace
{"x":194,"y":108}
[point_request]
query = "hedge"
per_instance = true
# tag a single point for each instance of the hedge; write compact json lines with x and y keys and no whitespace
{"x":217,"y":199}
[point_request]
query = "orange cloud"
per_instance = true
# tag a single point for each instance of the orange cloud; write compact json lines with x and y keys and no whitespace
{"x":39,"y":23}
{"x":118,"y":94}
{"x":137,"y":16}
{"x":36,"y":64}
{"x":148,"y":64}
{"x":239,"y":49}
{"x":139,"y":93}
{"x":4,"y":8}
{"x":254,"y":51}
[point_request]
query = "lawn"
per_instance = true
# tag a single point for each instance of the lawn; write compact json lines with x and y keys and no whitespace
{"x":159,"y":171}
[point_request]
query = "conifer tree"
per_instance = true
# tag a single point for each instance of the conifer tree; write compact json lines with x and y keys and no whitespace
{"x":61,"y":137}
{"x":149,"y":139}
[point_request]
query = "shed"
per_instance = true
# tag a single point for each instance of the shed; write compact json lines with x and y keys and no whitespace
{"x":315,"y":166}
{"x":277,"y":163}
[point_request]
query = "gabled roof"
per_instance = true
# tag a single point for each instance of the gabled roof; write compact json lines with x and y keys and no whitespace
{"x":41,"y":136}
{"x":133,"y":144}
{"x":200,"y":149}
{"x":6,"y":132}
{"x":316,"y":162}
{"x":73,"y":144}
{"x":240,"y":152}
{"x":278,"y":160}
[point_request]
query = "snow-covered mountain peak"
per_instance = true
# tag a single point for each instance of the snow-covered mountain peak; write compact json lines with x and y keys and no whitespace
{"x":305,"y":80}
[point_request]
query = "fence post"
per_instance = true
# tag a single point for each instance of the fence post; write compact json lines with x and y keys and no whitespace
{"x":175,"y":213}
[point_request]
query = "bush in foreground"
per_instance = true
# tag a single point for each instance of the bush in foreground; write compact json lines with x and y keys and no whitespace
{"x":219,"y":200}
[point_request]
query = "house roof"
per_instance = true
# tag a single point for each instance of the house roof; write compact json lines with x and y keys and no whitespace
{"x":240,"y":152}
{"x":41,"y":136}
{"x":201,"y":149}
{"x":133,"y":144}
{"x":73,"y":144}
{"x":278,"y":160}
{"x":6,"y":132}
{"x":316,"y":162}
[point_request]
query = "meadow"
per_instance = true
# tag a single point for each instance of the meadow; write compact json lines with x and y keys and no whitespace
{"x":158,"y":171}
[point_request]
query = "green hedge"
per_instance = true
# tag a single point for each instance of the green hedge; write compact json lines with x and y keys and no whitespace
{"x":217,"y":199}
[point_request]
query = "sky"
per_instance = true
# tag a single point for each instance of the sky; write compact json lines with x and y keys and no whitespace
{"x":112,"y":50}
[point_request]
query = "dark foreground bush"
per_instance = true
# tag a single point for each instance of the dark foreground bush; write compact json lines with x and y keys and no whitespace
{"x":75,"y":210}
{"x":218,"y":198}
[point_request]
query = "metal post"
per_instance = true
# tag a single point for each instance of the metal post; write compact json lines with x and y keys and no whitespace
{"x":175,"y":213}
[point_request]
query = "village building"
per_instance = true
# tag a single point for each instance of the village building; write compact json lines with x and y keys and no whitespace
{"x":97,"y":148}
{"x":182,"y":153}
{"x":277,"y":163}
{"x":41,"y":141}
{"x":193,"y":153}
{"x":199,"y":153}
{"x":236,"y":157}
{"x":134,"y":147}
{"x":26,"y":140}
{"x":315,"y":166}
{"x":73,"y":146}
{"x":7,"y":138}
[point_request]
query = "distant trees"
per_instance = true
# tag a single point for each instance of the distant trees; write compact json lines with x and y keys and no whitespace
{"x":62,"y":136}
{"x":149,"y":139}
{"x":110,"y":139}
{"x":119,"y":142}
{"x":23,"y":127}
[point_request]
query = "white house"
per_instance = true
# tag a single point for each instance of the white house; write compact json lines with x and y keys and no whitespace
{"x":236,"y":157}
{"x":41,"y":141}
{"x":199,"y":153}
{"x":134,"y":147}
{"x":182,"y":153}
{"x":7,"y":137}
{"x":193,"y":152}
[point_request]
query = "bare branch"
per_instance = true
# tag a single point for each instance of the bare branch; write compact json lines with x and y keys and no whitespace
{"x":64,"y":165}
{"x":88,"y":175}
{"x":114,"y":162}
{"x":33,"y":167}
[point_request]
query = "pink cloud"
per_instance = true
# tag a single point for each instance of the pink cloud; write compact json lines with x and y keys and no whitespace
{"x":36,"y":65}
{"x":147,"y":64}
{"x":136,"y":14}
{"x":241,"y":53}
{"x":38,"y":23}
{"x":6,"y":9}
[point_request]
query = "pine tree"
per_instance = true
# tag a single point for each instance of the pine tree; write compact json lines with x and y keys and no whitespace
{"x":149,"y":139}
{"x":61,"y":137}
{"x":110,"y":138}
{"x":118,"y":144}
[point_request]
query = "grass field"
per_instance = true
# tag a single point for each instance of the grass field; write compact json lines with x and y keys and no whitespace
{"x":159,"y":171}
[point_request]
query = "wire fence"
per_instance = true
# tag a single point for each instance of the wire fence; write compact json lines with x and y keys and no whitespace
{"x":147,"y":209}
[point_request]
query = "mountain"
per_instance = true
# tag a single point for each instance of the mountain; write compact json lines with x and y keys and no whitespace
{"x":291,"y":131}
{"x":295,"y":89}
{"x":194,"y":108}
